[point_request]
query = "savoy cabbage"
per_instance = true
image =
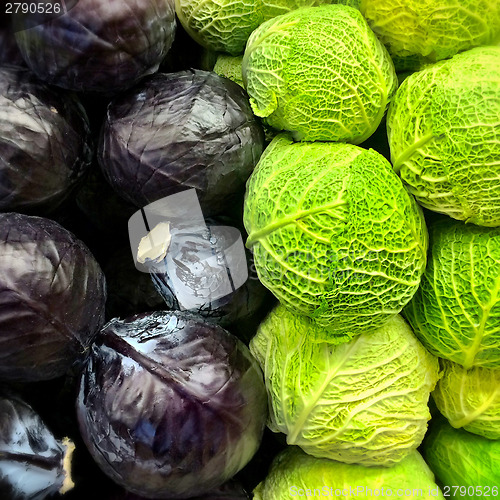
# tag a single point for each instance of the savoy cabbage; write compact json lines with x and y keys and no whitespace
{"x":334,"y":234}
{"x":444,"y":136}
{"x":320,"y":73}
{"x":360,"y":402}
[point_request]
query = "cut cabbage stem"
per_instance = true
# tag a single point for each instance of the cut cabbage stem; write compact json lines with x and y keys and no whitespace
{"x":153,"y":247}
{"x":68,"y":483}
{"x":273,"y":226}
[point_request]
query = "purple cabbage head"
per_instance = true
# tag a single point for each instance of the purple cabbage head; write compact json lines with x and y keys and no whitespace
{"x":175,"y":131}
{"x":45,"y":144}
{"x":98,"y":45}
{"x":171,"y":406}
{"x":52,"y":298}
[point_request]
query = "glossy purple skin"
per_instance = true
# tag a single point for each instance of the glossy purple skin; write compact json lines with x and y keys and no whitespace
{"x":31,"y":465}
{"x":170,"y":406}
{"x":45,"y":145}
{"x":52,"y":298}
{"x":175,"y":131}
{"x":100,"y":45}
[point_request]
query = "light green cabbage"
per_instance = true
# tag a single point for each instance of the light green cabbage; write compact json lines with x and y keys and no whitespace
{"x":431,"y":30}
{"x":229,"y":67}
{"x":293,"y":473}
{"x":363,"y":401}
{"x":320,"y":73}
{"x":444,"y":134}
{"x":464,"y":460}
{"x":470,"y":398}
{"x":456,"y":310}
{"x":334,"y":234}
{"x":225,"y":25}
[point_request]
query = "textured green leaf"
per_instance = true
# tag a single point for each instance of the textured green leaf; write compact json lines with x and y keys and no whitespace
{"x":444,"y":135}
{"x":459,"y":458}
{"x":334,"y":233}
{"x":293,"y":472}
{"x":470,"y":398}
{"x":225,"y":25}
{"x":320,"y":73}
{"x":432,"y":29}
{"x":363,"y":401}
{"x":456,"y":310}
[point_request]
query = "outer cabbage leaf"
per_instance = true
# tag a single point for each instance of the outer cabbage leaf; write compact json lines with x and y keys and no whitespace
{"x":459,"y":458}
{"x":34,"y":465}
{"x":444,"y":136}
{"x":320,"y":73}
{"x":225,"y":25}
{"x":431,"y":30}
{"x":362,"y":402}
{"x":230,"y":67}
{"x":294,"y":473}
{"x":456,"y":310}
{"x":470,"y":398}
{"x":334,"y":233}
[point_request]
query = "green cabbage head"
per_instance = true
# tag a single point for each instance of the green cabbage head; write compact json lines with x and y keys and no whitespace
{"x":334,"y":234}
{"x":360,"y":402}
{"x":225,"y":25}
{"x":293,"y":473}
{"x":229,"y":67}
{"x":470,"y":398}
{"x":456,"y":310}
{"x":320,"y":73}
{"x":460,"y":458}
{"x":431,"y":30}
{"x":444,"y":135}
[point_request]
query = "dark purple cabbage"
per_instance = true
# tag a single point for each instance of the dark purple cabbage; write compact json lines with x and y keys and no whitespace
{"x":190,"y":129}
{"x":98,"y":45}
{"x":45,"y":145}
{"x":171,"y":406}
{"x":34,"y":464}
{"x":52,"y":298}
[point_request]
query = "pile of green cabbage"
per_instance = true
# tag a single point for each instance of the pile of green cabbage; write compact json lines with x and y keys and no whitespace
{"x":373,"y":216}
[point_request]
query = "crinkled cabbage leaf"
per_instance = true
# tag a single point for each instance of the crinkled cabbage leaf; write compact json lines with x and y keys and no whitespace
{"x":456,"y":310}
{"x":470,"y":398}
{"x":360,"y":402}
{"x":334,"y":234}
{"x":320,"y":73}
{"x":294,"y":473}
{"x":431,"y":30}
{"x":225,"y":25}
{"x":460,"y":458}
{"x":444,"y":136}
